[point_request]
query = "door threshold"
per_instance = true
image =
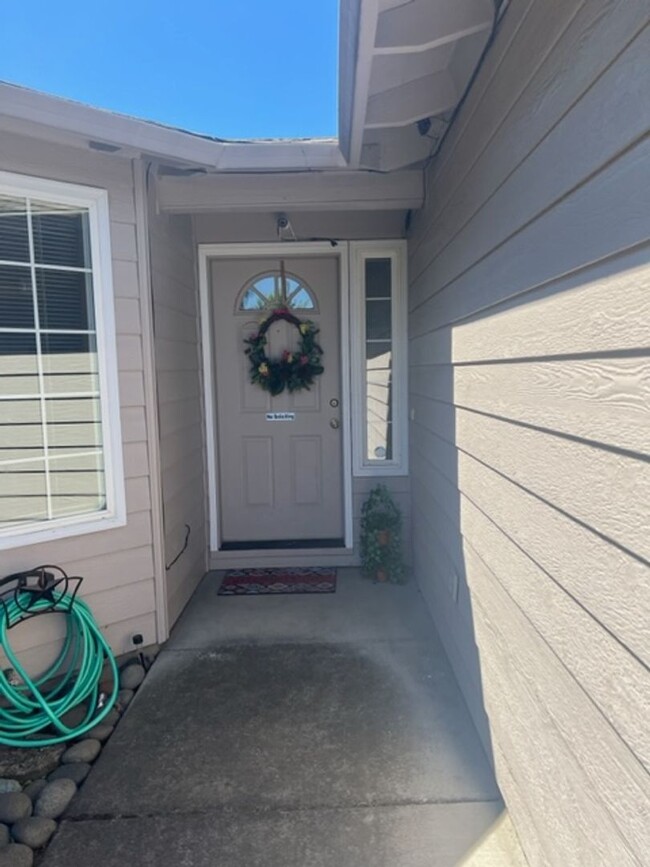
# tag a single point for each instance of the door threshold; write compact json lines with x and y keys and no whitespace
{"x":282,"y":545}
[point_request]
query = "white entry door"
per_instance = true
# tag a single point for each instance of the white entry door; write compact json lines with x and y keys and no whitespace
{"x":280,"y":457}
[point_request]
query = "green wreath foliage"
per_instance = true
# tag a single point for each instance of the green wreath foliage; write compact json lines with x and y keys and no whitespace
{"x":293,"y":370}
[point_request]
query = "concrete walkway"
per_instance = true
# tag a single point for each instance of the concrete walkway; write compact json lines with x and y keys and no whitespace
{"x":295,"y":731}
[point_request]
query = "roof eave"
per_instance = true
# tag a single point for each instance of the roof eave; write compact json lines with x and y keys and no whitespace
{"x":46,"y":116}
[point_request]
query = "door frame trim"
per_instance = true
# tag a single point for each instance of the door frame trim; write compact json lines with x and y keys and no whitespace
{"x":207,"y":252}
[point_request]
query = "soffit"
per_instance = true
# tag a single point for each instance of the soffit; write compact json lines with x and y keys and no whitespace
{"x":413,"y":62}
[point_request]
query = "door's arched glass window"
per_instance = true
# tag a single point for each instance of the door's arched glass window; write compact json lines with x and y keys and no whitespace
{"x":275,"y":289}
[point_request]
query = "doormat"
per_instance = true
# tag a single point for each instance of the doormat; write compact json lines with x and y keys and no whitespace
{"x":265,"y":582}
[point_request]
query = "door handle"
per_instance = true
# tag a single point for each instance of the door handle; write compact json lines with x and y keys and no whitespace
{"x":335,"y":423}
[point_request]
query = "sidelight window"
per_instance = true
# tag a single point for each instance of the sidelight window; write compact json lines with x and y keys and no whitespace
{"x":379,"y":358}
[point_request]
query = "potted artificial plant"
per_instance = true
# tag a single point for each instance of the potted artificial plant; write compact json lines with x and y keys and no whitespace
{"x":381,"y":537}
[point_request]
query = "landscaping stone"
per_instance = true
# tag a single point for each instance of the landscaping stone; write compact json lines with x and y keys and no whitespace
{"x":16,"y":855}
{"x":75,"y":716}
{"x":5,"y":837}
{"x":112,"y":717}
{"x":33,"y":790}
{"x":132,"y":676}
{"x":34,"y":832}
{"x":101,"y":732}
{"x":25,"y":765}
{"x":124,"y":698}
{"x":14,"y":806}
{"x":76,"y":771}
{"x":54,"y":798}
{"x":10,"y":786}
{"x":83,"y":751}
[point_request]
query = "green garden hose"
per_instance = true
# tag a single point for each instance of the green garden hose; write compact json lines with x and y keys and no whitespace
{"x":31,"y":710}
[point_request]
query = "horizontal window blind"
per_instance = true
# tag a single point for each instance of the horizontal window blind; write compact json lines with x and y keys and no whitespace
{"x":51,"y":432}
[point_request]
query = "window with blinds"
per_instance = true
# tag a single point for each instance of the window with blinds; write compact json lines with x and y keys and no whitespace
{"x":54,"y":443}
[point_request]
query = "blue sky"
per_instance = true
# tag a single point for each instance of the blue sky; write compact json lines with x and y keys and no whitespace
{"x":231,"y":68}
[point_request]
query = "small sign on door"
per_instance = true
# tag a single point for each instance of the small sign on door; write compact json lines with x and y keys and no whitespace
{"x":280,"y":416}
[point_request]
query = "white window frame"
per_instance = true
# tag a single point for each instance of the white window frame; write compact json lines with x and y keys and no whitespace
{"x":396,"y":252}
{"x":114,"y":515}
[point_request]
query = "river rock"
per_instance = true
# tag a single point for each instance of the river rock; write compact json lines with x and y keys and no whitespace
{"x":101,"y":732}
{"x":75,"y":771}
{"x":33,"y":790}
{"x":34,"y":832}
{"x":124,"y":698}
{"x":54,"y":798}
{"x":25,"y":765}
{"x":16,"y":855}
{"x":132,"y":676}
{"x":112,"y":717}
{"x":83,"y":751}
{"x":5,"y":837}
{"x":14,"y":806}
{"x":10,"y":786}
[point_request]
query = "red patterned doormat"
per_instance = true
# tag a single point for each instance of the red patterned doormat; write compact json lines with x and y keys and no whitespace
{"x":260,"y":582}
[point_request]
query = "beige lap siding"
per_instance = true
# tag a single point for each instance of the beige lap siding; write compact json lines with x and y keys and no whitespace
{"x":530,"y":383}
{"x":117,"y":565}
{"x":180,"y":401}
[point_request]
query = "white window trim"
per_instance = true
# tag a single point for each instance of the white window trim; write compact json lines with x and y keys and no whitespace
{"x":396,"y":252}
{"x":114,"y":515}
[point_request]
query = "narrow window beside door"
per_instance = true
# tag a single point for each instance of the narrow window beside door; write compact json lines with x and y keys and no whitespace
{"x":60,"y":469}
{"x":379,"y":359}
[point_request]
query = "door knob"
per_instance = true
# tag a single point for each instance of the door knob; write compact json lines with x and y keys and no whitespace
{"x":335,"y":423}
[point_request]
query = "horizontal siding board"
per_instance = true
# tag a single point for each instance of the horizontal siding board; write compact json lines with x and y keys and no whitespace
{"x":609,"y":583}
{"x":127,"y":315}
{"x":129,"y":352}
{"x":177,"y":355}
{"x":529,"y":381}
{"x":580,"y":314}
{"x":64,"y":163}
{"x":134,"y":426}
{"x":136,"y":460}
{"x":581,"y":827}
{"x":617,"y":684}
{"x":580,"y":145}
{"x":610,"y":396}
{"x":504,"y":131}
{"x":180,"y":413}
{"x":606,"y":491}
{"x":525,"y":38}
{"x":125,"y":279}
{"x":123,"y":242}
{"x":616,"y":777}
{"x":177,"y":444}
{"x":175,"y":385}
{"x":107,"y":559}
{"x":131,"y":384}
{"x":138,"y":495}
{"x":605,"y":216}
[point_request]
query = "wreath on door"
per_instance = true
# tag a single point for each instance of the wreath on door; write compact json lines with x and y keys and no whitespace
{"x":293,"y":370}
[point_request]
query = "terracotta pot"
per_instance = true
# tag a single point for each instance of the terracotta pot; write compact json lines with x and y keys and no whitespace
{"x":383,"y":538}
{"x":381,"y":575}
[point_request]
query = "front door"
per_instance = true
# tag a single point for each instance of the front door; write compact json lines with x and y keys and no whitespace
{"x":280,"y":457}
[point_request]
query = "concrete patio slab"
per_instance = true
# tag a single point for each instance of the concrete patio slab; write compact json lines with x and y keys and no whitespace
{"x":358,"y":611}
{"x":291,"y":726}
{"x":415,"y":836}
{"x":292,"y":732}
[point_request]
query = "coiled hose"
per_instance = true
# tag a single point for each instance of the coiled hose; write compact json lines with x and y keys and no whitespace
{"x":31,"y":711}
